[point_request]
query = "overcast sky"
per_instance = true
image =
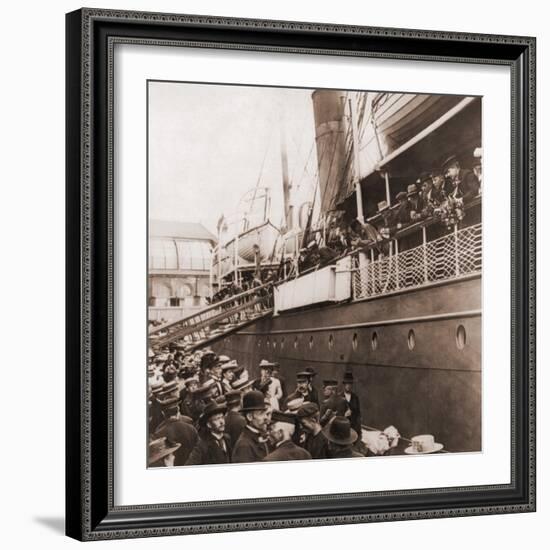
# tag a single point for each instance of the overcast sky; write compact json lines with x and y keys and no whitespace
{"x":207,"y":144}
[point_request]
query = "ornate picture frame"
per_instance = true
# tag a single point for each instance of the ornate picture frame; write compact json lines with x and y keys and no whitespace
{"x":91,"y":512}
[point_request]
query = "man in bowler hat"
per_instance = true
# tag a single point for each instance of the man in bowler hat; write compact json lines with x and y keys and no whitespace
{"x":252,"y":443}
{"x":213,"y":446}
{"x":281,"y":431}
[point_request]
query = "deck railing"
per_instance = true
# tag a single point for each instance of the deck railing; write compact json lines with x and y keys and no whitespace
{"x":452,"y":256}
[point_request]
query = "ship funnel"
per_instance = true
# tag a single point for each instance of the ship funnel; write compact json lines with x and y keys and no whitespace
{"x":331,"y":132}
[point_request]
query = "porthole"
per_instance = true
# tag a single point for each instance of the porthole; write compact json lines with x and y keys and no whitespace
{"x":374,"y":340}
{"x":460,"y":337}
{"x":330,"y":341}
{"x":311,"y":342}
{"x":411,"y":339}
{"x":296,"y":342}
{"x":354,"y":342}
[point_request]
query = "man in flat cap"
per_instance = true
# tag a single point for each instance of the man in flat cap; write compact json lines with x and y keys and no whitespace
{"x":281,"y":431}
{"x":234,"y":420}
{"x":315,"y":443}
{"x":213,"y":446}
{"x":333,"y":404}
{"x":464,"y":183}
{"x":304,"y":389}
{"x":178,"y":429}
{"x":252,"y":443}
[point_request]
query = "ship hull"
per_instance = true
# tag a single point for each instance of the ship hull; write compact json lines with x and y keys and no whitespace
{"x":415,"y":356}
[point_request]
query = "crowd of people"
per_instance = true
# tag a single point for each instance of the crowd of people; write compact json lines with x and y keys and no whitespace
{"x":441,"y":194}
{"x":207,"y":409}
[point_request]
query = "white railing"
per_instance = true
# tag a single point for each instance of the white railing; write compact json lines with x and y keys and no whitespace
{"x":451,"y":256}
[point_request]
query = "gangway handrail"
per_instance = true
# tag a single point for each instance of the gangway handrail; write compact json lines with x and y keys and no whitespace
{"x":217,"y":305}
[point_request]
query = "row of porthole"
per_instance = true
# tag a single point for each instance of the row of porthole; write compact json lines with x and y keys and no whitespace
{"x":374,"y":341}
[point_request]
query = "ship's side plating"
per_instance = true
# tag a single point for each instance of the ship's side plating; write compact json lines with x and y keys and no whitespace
{"x":415,"y":356}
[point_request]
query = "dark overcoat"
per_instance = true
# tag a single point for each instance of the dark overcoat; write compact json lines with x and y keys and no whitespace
{"x":179,"y":431}
{"x":287,"y":451}
{"x":210,"y":450}
{"x":250,"y":447}
{"x":234,"y":425}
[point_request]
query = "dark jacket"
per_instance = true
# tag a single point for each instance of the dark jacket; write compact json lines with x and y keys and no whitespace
{"x":250,"y":447}
{"x":337,"y":404}
{"x":209,"y":450}
{"x":317,"y":445}
{"x":179,"y":431}
{"x":355,"y":408}
{"x":312,"y":396}
{"x":287,"y":451}
{"x":345,"y":452}
{"x":234,"y":425}
{"x":403,"y":213}
{"x":466,"y":185}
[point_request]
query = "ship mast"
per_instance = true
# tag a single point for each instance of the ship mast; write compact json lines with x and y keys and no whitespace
{"x":286,"y":180}
{"x":356,"y":160}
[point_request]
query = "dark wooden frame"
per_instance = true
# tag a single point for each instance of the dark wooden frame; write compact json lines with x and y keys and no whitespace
{"x":91,"y":34}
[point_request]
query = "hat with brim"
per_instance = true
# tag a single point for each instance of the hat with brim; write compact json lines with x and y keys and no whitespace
{"x":253,"y":401}
{"x":401,"y":196}
{"x":307,"y":410}
{"x":330,"y":383}
{"x":212,"y":408}
{"x":233,"y":398}
{"x":206,"y":387}
{"x":448,"y":162}
{"x":339,"y":431}
{"x":303,"y":376}
{"x":412,"y":190}
{"x":231,"y":365}
{"x":159,"y":448}
{"x":294,"y":404}
{"x":242,"y":385}
{"x":285,"y":417}
{"x":348,"y":378}
{"x":268,"y":365}
{"x":311,"y":371}
{"x":169,"y":403}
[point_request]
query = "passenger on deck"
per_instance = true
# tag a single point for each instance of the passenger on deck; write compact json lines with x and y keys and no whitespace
{"x":387,"y":227}
{"x":403,"y":212}
{"x":464,"y":183}
{"x":415,"y":202}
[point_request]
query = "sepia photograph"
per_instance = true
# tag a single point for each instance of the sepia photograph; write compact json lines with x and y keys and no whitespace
{"x":314,"y":278}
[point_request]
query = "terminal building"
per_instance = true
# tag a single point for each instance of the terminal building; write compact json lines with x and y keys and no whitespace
{"x":180,"y":256}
